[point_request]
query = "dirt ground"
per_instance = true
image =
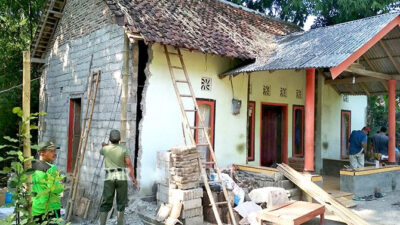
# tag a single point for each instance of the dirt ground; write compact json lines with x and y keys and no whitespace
{"x":376,"y":212}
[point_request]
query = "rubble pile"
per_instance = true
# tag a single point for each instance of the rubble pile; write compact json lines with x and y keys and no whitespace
{"x":185,"y":171}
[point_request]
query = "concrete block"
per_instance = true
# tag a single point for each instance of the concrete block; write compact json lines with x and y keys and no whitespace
{"x":184,"y":195}
{"x":286,"y":184}
{"x":197,"y":220}
{"x":188,"y":213}
{"x":191,"y":204}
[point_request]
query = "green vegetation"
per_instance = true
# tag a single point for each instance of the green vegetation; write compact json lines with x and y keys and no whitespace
{"x":18,"y":21}
{"x":16,"y":159}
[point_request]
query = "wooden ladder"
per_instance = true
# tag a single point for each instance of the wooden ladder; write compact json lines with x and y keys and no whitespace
{"x":91,"y":100}
{"x":201,"y":126}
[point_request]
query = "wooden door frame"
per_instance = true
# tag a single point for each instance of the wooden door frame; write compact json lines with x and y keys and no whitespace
{"x":252,"y":127}
{"x":212,"y":122}
{"x":301,"y":107}
{"x":342,"y":112}
{"x":284,"y":152}
{"x":71,"y":122}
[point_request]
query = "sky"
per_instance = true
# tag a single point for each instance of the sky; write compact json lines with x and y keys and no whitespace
{"x":309,"y":22}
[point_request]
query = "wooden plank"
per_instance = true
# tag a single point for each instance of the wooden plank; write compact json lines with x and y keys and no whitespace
{"x":321,"y":196}
{"x":26,"y":110}
{"x":365,"y":88}
{"x":369,"y":73}
{"x":348,"y":203}
{"x":369,"y":170}
{"x":350,"y":80}
{"x":256,"y":169}
{"x":385,"y":48}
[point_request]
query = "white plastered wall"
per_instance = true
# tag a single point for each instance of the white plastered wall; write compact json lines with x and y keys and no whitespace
{"x":332,"y":104}
{"x":161,"y":122}
{"x":290,"y":80}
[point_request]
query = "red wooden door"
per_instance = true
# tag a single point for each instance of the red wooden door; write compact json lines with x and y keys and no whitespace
{"x":74,"y":132}
{"x":271,"y":135}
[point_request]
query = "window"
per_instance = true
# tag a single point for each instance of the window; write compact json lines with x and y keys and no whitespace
{"x":250,"y":131}
{"x":298,"y":131}
{"x":207,"y":112}
{"x":345,"y":129}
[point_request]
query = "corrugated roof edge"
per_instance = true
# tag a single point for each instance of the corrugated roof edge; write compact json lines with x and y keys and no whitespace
{"x":344,"y":23}
{"x":261,"y":14}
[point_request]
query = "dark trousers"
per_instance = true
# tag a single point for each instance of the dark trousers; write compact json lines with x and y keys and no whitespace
{"x":110,"y":187}
{"x":51,"y":215}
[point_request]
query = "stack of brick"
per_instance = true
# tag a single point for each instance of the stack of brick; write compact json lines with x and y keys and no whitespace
{"x":192,"y":208}
{"x":184,"y":171}
{"x":163,"y":176}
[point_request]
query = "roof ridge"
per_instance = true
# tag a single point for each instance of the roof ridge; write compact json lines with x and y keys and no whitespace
{"x":257,"y":12}
{"x":358,"y":20}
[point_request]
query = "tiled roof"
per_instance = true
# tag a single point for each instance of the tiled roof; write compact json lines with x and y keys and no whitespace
{"x":324,"y":47}
{"x":210,"y":26}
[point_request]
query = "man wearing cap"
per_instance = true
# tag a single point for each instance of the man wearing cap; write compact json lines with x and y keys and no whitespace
{"x":51,"y":202}
{"x":117,"y":160}
{"x":358,"y":146}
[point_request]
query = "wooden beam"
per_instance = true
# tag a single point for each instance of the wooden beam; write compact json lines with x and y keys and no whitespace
{"x":395,"y":64}
{"x":51,"y":5}
{"x":350,"y":88}
{"x":350,"y":80}
{"x":369,"y":73}
{"x":365,"y":88}
{"x":373,"y":68}
{"x":26,"y":110}
{"x":56,"y":14}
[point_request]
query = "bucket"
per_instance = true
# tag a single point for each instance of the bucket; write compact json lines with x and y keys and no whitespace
{"x":9,"y":198}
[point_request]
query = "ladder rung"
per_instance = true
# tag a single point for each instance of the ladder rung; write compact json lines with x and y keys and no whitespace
{"x":219,"y":203}
{"x":190,"y":110}
{"x":177,"y":67}
{"x":215,"y":182}
{"x":208,"y":163}
{"x":174,"y":53}
{"x":197,"y":128}
{"x":187,"y":96}
{"x":181,"y":81}
{"x":202,"y":144}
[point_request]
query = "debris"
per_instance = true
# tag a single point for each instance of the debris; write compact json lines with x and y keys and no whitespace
{"x":271,"y":195}
{"x":246,"y":208}
{"x":164,"y":212}
{"x":321,"y":196}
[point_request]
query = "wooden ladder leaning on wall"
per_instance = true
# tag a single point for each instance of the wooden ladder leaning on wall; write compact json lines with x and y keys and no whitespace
{"x":201,"y":126}
{"x":91,"y":100}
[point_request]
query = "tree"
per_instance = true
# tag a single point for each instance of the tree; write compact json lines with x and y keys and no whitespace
{"x":328,"y":12}
{"x":18,"y":21}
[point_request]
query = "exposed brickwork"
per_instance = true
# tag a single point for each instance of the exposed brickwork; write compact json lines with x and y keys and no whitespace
{"x":81,"y":18}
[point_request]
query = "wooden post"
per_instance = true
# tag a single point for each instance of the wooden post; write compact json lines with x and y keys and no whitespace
{"x":309,"y":120}
{"x":124,"y":93}
{"x":392,"y":120}
{"x":26,"y":104}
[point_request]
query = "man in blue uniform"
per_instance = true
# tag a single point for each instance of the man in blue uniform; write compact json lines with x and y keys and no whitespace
{"x":358,"y":147}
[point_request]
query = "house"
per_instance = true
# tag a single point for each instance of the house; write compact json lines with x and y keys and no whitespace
{"x":292,"y":107}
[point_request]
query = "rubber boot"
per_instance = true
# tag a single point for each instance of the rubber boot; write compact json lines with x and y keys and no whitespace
{"x":103,"y":218}
{"x":120,"y":218}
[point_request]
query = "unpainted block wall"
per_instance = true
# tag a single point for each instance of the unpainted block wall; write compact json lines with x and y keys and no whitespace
{"x":65,"y":77}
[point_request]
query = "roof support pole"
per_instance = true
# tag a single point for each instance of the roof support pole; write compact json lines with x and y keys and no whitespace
{"x":124,"y":93}
{"x":309,"y":120}
{"x":392,"y":120}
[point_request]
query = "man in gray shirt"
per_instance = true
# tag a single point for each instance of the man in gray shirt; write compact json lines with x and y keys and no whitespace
{"x":380,"y":142}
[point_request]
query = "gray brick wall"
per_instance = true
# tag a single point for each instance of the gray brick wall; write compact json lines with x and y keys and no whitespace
{"x":65,"y":76}
{"x":82,"y":17}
